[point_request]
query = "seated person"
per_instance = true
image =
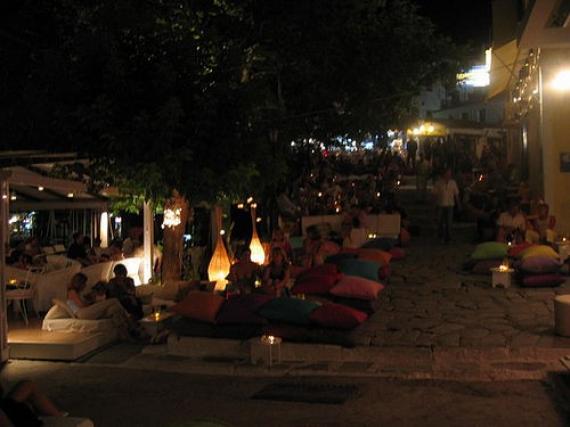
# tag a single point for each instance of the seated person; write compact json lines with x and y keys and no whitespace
{"x":279,"y":239}
{"x":313,"y":251}
{"x":24,"y":404}
{"x":244,"y":272}
{"x":512,"y":224}
{"x":122,"y":288}
{"x":541,"y":226}
{"x":107,"y":309}
{"x":114,"y":252}
{"x":77,"y":250}
{"x":276,"y":275}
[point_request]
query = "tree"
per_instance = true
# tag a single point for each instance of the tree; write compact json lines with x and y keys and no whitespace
{"x":191,"y":100}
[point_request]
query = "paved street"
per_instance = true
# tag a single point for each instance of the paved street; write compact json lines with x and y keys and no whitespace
{"x":114,"y":396}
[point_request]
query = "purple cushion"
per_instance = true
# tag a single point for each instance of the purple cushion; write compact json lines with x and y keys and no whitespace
{"x":540,"y":264}
{"x":543,"y":280}
{"x":242,"y":310}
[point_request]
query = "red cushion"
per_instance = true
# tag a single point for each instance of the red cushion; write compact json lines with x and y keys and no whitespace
{"x":325,"y":268}
{"x":357,"y":287}
{"x":377,"y":255}
{"x":337,"y":316}
{"x":319,"y":284}
{"x":397,"y":253}
{"x":543,"y":280}
{"x":517,"y":250}
{"x":202,"y":306}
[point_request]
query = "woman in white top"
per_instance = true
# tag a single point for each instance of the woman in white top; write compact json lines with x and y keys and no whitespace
{"x":107,"y":309}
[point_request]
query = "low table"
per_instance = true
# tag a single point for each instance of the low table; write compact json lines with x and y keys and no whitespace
{"x":154,"y":324}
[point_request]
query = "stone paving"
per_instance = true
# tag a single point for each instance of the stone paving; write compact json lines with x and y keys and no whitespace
{"x":430,"y":302}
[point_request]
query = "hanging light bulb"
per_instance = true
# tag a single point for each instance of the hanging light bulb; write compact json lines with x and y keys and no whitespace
{"x":256,"y":248}
{"x":219,"y":266}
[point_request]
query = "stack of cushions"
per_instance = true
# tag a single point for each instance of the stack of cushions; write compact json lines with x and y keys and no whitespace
{"x":242,"y":309}
{"x":539,"y":266}
{"x":337,"y":316}
{"x":488,"y":255}
{"x":377,"y":255}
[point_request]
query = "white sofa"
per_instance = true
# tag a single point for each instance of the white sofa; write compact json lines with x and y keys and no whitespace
{"x":59,"y":318}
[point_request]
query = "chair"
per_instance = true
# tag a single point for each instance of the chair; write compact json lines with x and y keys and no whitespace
{"x":97,"y":272}
{"x":53,"y":285}
{"x":21,"y":295}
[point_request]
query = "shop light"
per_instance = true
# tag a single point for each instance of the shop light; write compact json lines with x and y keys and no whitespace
{"x":561,"y":82}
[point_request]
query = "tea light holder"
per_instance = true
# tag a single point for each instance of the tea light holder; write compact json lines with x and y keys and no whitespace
{"x":270,"y":341}
{"x":501,"y":276}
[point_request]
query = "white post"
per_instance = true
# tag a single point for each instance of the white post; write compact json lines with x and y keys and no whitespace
{"x":4,"y":239}
{"x":148,"y":262}
{"x":104,"y":229}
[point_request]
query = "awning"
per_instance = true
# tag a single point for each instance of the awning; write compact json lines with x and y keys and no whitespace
{"x":503,"y":66}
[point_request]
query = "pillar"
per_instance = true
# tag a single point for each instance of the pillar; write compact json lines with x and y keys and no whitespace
{"x":4,"y":239}
{"x":104,"y":229}
{"x":148,"y":238}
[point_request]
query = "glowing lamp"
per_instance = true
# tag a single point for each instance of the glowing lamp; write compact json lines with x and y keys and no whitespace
{"x":561,"y":81}
{"x":70,"y":195}
{"x":40,"y":188}
{"x":220,"y":264}
{"x":171,"y":218}
{"x":256,"y":248}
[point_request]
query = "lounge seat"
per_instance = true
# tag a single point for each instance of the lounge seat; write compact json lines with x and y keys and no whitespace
{"x":59,"y":318}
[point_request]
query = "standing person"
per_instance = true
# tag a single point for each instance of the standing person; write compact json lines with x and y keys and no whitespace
{"x":422,"y":176}
{"x":446,"y":195}
{"x":412,"y":148}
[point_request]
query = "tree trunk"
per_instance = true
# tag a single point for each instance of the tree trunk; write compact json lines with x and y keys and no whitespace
{"x":173,"y":244}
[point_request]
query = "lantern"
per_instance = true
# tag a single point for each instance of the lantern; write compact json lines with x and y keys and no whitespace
{"x":171,"y":218}
{"x":256,"y":248}
{"x":219,"y":266}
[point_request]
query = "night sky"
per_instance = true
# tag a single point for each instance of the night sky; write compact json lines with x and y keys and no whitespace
{"x":462,"y":20}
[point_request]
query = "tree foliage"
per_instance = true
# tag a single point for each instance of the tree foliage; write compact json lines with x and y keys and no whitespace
{"x":204,"y":96}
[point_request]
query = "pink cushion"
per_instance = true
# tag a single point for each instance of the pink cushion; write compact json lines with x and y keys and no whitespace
{"x":540,"y":264}
{"x":543,"y":280}
{"x":357,"y":287}
{"x":337,"y":316}
{"x":316,"y":283}
{"x":398,"y":253}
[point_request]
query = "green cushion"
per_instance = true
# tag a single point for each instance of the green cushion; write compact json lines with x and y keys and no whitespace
{"x":490,"y":250}
{"x":289,"y":310}
{"x":360,"y":268}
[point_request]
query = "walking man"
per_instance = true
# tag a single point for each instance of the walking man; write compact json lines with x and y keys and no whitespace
{"x":446,"y":196}
{"x":412,"y":148}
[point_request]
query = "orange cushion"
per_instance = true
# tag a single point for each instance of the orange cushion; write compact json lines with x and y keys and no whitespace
{"x":202,"y":306}
{"x":381,"y":257}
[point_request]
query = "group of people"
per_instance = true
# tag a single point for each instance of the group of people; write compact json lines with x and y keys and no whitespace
{"x":115,"y":300}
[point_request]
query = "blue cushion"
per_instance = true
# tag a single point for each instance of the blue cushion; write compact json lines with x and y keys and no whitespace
{"x":383,"y":243}
{"x":361,"y":268}
{"x":289,"y":310}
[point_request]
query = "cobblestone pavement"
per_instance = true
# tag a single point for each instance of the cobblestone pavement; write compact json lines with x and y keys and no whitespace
{"x":431,"y":302}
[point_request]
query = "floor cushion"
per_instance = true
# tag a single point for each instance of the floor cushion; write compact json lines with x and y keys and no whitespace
{"x":369,"y":307}
{"x":377,"y":255}
{"x":288,"y":310}
{"x":516,"y":250}
{"x":397,"y":253}
{"x":242,"y":309}
{"x":542,"y":280}
{"x":338,"y":258}
{"x":540,"y":264}
{"x":337,"y":316}
{"x":485,"y":266}
{"x":490,"y":250}
{"x":361,"y":268}
{"x":539,"y":251}
{"x":383,"y":243}
{"x":357,"y":287}
{"x":316,"y":284}
{"x":203,"y":306}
